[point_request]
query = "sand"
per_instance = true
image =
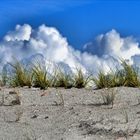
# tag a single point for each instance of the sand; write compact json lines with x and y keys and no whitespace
{"x":69,"y":114}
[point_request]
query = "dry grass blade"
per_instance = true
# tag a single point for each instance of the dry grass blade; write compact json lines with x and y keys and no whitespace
{"x":131,"y":75}
{"x":81,"y":80}
{"x":63,"y":80}
{"x":21,"y":77}
{"x":100,"y":81}
{"x":60,"y":98}
{"x":105,"y":80}
{"x":108,"y":96}
{"x":40,"y":77}
{"x":127,"y":76}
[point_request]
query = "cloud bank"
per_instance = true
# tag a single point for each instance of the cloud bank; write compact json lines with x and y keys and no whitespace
{"x":107,"y":50}
{"x":102,"y":53}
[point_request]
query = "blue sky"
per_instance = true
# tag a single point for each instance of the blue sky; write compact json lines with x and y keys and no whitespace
{"x":78,"y":20}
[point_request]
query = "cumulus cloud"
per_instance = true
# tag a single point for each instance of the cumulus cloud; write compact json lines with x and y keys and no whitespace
{"x":26,"y":43}
{"x":107,"y":49}
{"x":21,"y":33}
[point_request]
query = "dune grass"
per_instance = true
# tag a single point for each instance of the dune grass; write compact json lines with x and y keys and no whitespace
{"x":127,"y":76}
{"x":131,"y":77}
{"x":106,"y":80}
{"x":4,"y":78}
{"x":108,"y":96}
{"x":80,"y":79}
{"x":21,"y":76}
{"x":63,"y":80}
{"x":39,"y":77}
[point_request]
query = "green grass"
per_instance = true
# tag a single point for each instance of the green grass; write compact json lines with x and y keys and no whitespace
{"x":105,"y":80}
{"x":20,"y":77}
{"x":4,"y":78}
{"x":131,"y":77}
{"x":63,"y":80}
{"x":80,"y":80}
{"x":127,"y":76}
{"x":39,"y":77}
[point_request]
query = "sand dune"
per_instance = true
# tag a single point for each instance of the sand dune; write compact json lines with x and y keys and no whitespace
{"x":69,"y":114}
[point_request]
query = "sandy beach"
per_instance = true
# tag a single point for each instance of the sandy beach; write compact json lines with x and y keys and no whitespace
{"x":66,"y":114}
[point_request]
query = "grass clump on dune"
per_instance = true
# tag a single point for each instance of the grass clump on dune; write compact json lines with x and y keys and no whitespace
{"x":21,"y":76}
{"x":105,"y":80}
{"x":131,"y":76}
{"x":108,"y":96}
{"x":63,"y":80}
{"x":4,"y":78}
{"x":40,"y":77}
{"x":127,"y":76}
{"x":80,"y":79}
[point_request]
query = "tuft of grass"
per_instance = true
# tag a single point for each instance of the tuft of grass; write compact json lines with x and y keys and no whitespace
{"x":21,"y":77}
{"x":119,"y":78}
{"x":108,"y":96}
{"x":63,"y":80}
{"x":81,"y":80}
{"x":131,"y":77}
{"x":4,"y":78}
{"x":105,"y":81}
{"x":60,"y":98}
{"x":127,"y":76}
{"x":40,"y":77}
{"x":100,"y":81}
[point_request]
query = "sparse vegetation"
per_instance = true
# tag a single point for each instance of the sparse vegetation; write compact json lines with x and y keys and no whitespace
{"x":127,"y":76}
{"x":60,"y":98}
{"x":105,"y":80}
{"x":40,"y":77}
{"x":20,"y":77}
{"x":63,"y":80}
{"x":80,"y":80}
{"x":108,"y":96}
{"x":131,"y":77}
{"x":4,"y":78}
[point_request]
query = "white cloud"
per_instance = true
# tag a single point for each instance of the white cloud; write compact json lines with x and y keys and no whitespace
{"x":103,"y":53}
{"x":108,"y":48}
{"x":21,"y":33}
{"x":25,"y":42}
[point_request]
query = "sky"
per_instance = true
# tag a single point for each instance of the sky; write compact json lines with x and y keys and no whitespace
{"x":90,"y":34}
{"x":78,"y":20}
